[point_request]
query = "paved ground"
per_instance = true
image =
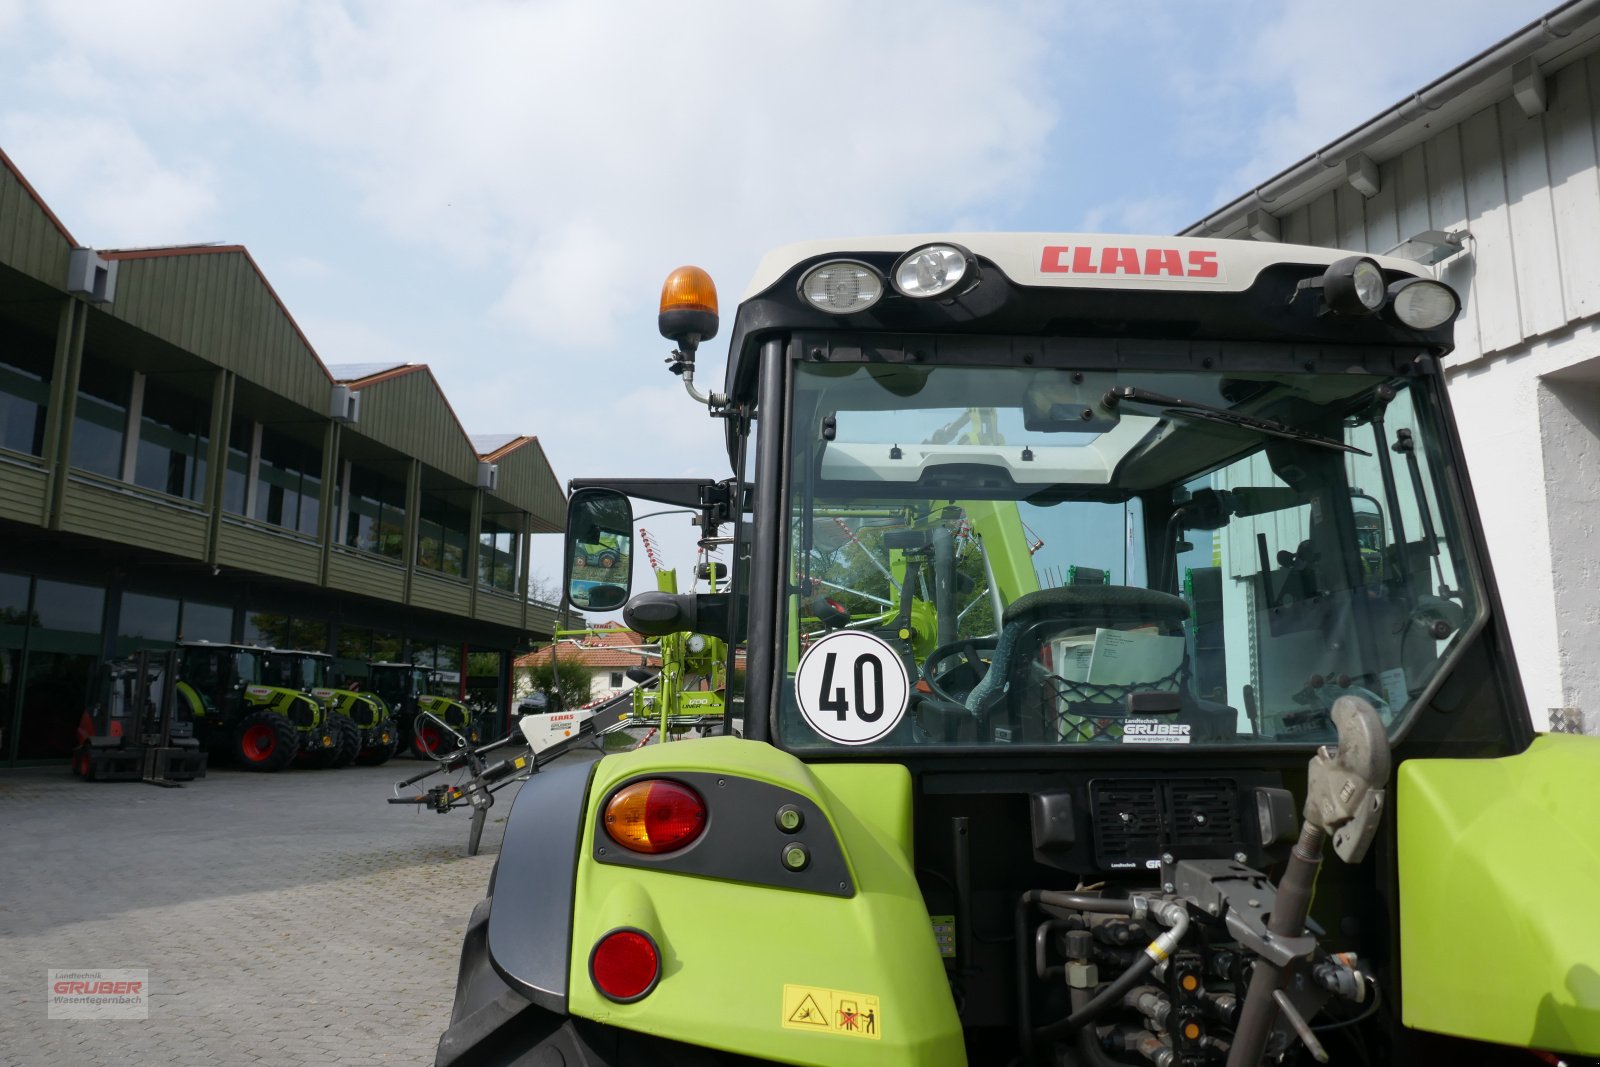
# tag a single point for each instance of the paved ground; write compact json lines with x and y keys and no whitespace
{"x":289,"y":919}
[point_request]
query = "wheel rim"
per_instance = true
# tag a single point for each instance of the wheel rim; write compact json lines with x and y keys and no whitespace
{"x":429,"y":739}
{"x":259,"y":742}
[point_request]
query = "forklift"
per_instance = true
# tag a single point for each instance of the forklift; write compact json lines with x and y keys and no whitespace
{"x":136,"y":731}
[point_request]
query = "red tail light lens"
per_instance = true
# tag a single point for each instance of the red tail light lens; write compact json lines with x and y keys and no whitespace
{"x":625,"y":965}
{"x":655,"y":815}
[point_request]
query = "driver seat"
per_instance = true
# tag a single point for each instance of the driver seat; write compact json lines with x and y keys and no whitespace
{"x":1110,"y":606}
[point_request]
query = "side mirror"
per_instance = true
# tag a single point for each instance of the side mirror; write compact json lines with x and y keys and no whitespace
{"x":599,"y":549}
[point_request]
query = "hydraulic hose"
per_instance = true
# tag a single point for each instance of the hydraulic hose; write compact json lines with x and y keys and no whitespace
{"x":1025,"y":962}
{"x":1176,"y":917}
{"x":1088,"y":1043}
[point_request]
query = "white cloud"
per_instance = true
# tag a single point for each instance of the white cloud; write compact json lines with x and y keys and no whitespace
{"x":123,"y":194}
{"x":1321,"y":75}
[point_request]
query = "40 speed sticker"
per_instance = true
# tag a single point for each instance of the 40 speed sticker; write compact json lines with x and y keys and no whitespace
{"x":852,"y":687}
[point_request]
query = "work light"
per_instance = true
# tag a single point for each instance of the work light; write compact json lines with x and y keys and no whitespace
{"x":1353,"y":286}
{"x":841,"y":286}
{"x":1421,"y":303}
{"x":933,"y":270}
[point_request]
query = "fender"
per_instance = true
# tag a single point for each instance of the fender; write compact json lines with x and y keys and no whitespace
{"x":1497,"y":860}
{"x":529,"y":939}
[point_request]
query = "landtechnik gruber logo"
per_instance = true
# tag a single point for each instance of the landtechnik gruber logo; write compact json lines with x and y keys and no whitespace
{"x":98,"y":994}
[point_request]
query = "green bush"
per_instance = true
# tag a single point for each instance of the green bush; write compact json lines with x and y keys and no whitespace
{"x":575,"y":679}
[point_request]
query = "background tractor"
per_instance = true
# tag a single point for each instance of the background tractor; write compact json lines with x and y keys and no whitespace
{"x":410,"y":688}
{"x":260,"y":727}
{"x":367,"y":732}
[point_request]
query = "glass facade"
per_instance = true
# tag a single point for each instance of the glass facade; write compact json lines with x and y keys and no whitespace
{"x":290,"y":488}
{"x":25,"y":360}
{"x":100,"y":421}
{"x":236,"y":483}
{"x":497,"y":555}
{"x":377,"y":513}
{"x":442,"y":536}
{"x":49,"y":664}
{"x":174,"y":433}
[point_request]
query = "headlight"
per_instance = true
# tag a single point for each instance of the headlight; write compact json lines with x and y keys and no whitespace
{"x":933,"y":270}
{"x":1422,"y":304}
{"x":841,"y":286}
{"x":1353,"y":286}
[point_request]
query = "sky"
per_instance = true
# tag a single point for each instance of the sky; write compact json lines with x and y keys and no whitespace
{"x":498,"y":188}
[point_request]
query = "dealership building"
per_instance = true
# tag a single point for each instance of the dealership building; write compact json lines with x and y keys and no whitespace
{"x":1490,"y":175}
{"x":177,"y":463}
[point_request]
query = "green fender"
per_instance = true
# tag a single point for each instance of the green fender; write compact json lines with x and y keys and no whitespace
{"x":740,"y":959}
{"x":1499,"y":878}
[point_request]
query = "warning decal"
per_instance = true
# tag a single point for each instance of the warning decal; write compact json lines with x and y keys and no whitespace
{"x":834,"y":1011}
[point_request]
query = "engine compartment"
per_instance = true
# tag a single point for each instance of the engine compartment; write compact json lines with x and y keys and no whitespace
{"x":1144,"y":897}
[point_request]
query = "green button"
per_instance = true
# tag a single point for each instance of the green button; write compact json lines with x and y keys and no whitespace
{"x":790,"y":818}
{"x":796,"y":857}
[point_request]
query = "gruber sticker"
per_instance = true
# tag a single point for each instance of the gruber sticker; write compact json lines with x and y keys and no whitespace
{"x":832,"y":1011}
{"x":852,"y":687}
{"x":1152,"y":732}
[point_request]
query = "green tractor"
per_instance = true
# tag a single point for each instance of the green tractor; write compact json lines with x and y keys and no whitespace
{"x":367,"y":733}
{"x":982,"y":816}
{"x":411,"y":688}
{"x":260,"y":726}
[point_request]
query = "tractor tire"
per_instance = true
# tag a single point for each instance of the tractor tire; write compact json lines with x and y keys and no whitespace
{"x":379,"y":752}
{"x":264,"y":741}
{"x":427,"y":739}
{"x":608,"y":560}
{"x":349,"y":741}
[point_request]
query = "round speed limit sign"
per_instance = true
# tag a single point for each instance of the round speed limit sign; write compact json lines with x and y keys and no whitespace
{"x":852,"y":687}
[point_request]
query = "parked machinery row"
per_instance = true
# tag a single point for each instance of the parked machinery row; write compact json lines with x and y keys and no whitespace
{"x":266,"y":709}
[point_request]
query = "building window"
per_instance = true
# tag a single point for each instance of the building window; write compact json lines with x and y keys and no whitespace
{"x":236,"y":483}
{"x":616,"y":679}
{"x":273,"y":630}
{"x":174,"y":433}
{"x":206,"y":622}
{"x":146,"y":622}
{"x":497,"y":555}
{"x":290,"y":489}
{"x":100,"y":422}
{"x":377,"y":513}
{"x":25,"y":361}
{"x":442,"y":536}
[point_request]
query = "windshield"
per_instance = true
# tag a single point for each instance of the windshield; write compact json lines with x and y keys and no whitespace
{"x":1045,"y":557}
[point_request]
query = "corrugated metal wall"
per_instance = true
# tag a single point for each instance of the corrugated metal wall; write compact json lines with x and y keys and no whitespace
{"x":216,"y":305}
{"x":408,"y":413}
{"x":1527,"y":188}
{"x":30,"y":241}
{"x":526,"y":479}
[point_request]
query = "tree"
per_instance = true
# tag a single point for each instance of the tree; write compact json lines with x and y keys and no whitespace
{"x":575,"y":679}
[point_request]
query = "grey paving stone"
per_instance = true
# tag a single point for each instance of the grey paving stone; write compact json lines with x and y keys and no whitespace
{"x":284,"y":919}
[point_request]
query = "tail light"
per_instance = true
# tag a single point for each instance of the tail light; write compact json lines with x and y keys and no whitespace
{"x":655,"y":815}
{"x":625,"y":964}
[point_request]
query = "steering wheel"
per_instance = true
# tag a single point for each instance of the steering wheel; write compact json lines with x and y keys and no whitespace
{"x":967,"y":649}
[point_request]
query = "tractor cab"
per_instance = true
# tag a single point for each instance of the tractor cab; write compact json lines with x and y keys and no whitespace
{"x":239,"y":712}
{"x":366,"y":732}
{"x":1126,"y":683}
{"x":412,"y":688}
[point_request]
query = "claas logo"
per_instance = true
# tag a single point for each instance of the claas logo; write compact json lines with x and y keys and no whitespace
{"x":1198,"y":263}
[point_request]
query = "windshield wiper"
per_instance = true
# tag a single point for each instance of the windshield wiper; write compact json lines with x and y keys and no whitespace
{"x":1194,"y":409}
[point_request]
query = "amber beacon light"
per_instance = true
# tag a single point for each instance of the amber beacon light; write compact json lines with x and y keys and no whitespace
{"x":688,"y":307}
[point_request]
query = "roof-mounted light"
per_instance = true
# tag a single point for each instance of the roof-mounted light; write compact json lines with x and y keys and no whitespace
{"x":1422,"y":303}
{"x":934,"y":270}
{"x":688,"y":307}
{"x":1353,"y":286}
{"x":841,"y":286}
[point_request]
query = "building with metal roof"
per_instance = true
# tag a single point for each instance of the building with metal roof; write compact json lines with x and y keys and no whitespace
{"x":1489,"y":174}
{"x":177,"y":462}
